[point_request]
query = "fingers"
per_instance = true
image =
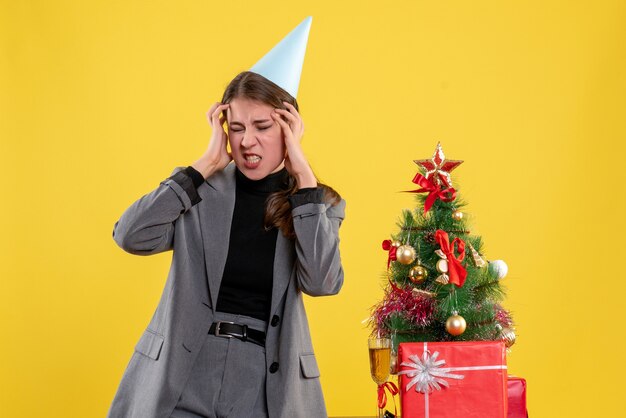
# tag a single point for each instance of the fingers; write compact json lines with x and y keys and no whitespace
{"x":215,"y":116}
{"x":292,"y":115}
{"x":211,"y":109}
{"x":291,"y":118}
{"x":214,"y":113}
{"x":284,"y":125}
{"x":287,"y":114}
{"x":292,"y":108}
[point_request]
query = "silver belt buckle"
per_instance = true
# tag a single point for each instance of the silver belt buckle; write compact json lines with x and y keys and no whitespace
{"x":217,"y":329}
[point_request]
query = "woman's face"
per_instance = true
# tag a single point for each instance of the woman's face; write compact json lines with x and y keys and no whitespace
{"x":256,"y":140}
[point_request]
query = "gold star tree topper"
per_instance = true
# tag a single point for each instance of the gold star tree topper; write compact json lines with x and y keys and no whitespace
{"x":438,"y":168}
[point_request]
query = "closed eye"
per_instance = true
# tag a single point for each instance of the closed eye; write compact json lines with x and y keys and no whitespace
{"x":261,"y":128}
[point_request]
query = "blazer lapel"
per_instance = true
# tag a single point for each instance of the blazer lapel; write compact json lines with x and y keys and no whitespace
{"x":216,"y":214}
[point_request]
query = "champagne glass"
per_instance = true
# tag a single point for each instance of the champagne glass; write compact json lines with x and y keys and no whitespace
{"x":380,"y":359}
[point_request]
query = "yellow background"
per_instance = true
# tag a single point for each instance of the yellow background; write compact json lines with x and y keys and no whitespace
{"x":100,"y":100}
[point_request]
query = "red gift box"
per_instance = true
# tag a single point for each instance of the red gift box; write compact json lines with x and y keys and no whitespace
{"x":517,"y":397}
{"x":453,"y":379}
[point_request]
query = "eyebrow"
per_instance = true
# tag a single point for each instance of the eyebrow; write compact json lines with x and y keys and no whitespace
{"x":254,"y":121}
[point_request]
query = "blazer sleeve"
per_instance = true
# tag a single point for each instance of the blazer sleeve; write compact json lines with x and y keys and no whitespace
{"x":147,"y":226}
{"x":318,"y":265}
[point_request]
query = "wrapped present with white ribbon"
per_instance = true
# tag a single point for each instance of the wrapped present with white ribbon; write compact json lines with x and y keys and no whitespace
{"x":453,"y":379}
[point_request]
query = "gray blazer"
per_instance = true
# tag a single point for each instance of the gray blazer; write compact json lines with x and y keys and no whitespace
{"x":166,"y":219}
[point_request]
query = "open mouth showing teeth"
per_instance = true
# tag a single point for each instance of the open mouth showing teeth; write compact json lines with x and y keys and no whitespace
{"x":253,"y":158}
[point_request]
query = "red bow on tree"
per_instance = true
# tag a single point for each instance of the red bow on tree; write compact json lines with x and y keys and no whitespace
{"x":456,"y":271}
{"x":434,"y":191}
{"x":392,"y":251}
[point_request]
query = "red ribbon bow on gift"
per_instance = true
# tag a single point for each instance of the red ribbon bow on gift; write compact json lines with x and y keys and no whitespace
{"x":434,"y":191}
{"x":382,"y":396}
{"x":456,"y":271}
{"x":392,"y":251}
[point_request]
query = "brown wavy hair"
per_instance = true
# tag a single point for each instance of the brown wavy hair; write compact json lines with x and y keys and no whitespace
{"x":277,"y":207}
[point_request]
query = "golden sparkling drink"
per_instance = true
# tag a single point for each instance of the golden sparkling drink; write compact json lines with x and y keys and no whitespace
{"x":380,"y":359}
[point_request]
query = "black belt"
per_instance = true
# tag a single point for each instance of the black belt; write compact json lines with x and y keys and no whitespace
{"x":242,"y":332}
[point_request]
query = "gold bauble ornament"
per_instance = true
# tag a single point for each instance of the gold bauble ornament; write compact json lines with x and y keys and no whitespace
{"x":393,"y":363}
{"x":406,"y":254}
{"x":418,"y":274}
{"x":457,"y":215}
{"x":442,"y":266}
{"x":455,"y":325}
{"x":508,"y":336}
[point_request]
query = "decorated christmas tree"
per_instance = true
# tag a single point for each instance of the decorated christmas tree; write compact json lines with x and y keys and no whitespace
{"x":439,"y":284}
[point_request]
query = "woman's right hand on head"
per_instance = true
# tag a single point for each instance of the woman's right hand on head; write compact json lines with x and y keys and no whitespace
{"x":216,"y":156}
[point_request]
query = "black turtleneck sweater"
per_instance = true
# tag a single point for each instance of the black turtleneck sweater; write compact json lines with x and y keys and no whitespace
{"x":248,"y":275}
{"x":247,"y":281}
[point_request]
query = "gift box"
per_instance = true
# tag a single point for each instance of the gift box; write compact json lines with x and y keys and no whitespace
{"x":453,"y":379}
{"x":517,"y":397}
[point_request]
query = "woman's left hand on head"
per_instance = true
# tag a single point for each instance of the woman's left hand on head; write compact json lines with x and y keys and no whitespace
{"x":293,"y":130}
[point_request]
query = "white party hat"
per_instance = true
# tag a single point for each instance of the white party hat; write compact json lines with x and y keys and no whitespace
{"x":283,"y":64}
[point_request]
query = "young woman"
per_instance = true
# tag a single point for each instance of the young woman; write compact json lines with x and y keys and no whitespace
{"x":250,"y":231}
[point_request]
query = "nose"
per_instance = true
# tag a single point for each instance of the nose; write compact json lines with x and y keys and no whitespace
{"x":248,"y":139}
